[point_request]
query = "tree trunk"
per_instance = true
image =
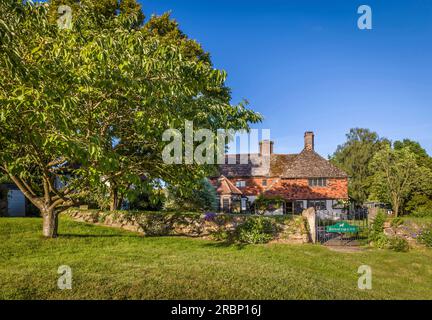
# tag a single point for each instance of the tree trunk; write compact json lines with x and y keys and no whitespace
{"x":114,"y":199}
{"x":396,"y":211}
{"x":50,"y":223}
{"x":120,"y":202}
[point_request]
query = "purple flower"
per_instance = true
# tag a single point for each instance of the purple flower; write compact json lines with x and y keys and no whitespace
{"x":209,"y":216}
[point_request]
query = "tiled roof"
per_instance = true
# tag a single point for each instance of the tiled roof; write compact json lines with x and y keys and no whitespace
{"x":309,"y":164}
{"x":306,"y":164}
{"x":227,"y":187}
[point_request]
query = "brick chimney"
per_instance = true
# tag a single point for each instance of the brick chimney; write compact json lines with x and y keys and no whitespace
{"x":266,"y":147}
{"x":309,"y":141}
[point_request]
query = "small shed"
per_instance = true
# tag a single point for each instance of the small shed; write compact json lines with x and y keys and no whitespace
{"x":12,"y":201}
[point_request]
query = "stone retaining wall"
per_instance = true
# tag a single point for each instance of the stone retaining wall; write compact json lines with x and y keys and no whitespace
{"x":408,"y":230}
{"x":291,"y":229}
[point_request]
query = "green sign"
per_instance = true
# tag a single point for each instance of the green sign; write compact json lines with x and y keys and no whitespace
{"x":342,"y":227}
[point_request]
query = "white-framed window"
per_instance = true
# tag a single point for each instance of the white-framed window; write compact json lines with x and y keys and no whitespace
{"x":240,"y":184}
{"x":317,"y":182}
{"x":317,"y":204}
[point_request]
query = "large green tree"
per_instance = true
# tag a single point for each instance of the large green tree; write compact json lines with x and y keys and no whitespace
{"x":420,"y":199}
{"x":396,"y":176}
{"x":85,"y":108}
{"x":206,"y":103}
{"x":354,"y":157}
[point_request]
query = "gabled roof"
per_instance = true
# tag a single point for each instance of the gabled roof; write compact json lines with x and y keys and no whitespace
{"x":227,"y":187}
{"x":306,"y":164}
{"x":280,"y":162}
{"x":309,"y":164}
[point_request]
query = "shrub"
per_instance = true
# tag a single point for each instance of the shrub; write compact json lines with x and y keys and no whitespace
{"x":223,"y":235}
{"x":259,"y":230}
{"x":203,"y":197}
{"x":398,"y":244}
{"x":378,"y":224}
{"x":380,"y":241}
{"x":425,"y":237}
{"x":396,"y":222}
{"x":146,"y":197}
{"x":377,"y":228}
{"x":266,"y":203}
{"x":419,"y":205}
{"x":422,"y":213}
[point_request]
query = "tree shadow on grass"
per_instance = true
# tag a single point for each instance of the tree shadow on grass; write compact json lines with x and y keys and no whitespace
{"x":226,"y":244}
{"x":83,"y":236}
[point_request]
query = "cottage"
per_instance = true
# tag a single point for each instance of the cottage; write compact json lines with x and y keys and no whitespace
{"x":302,"y":180}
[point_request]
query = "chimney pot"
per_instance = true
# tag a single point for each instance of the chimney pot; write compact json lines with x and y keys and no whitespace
{"x":266,"y":147}
{"x":309,"y":140}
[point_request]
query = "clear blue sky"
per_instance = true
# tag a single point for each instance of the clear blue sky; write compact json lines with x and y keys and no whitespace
{"x":306,"y":66}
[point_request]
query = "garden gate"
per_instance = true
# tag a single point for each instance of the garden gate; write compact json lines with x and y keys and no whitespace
{"x":341,"y":229}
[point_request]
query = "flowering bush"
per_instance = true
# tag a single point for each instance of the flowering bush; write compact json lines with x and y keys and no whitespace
{"x":209,"y":216}
{"x":425,"y":237}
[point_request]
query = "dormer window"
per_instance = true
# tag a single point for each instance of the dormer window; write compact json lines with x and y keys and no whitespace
{"x":317,"y":182}
{"x":240,"y":184}
{"x":264,"y":183}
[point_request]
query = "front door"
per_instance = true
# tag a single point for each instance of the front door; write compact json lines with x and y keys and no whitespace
{"x":289,"y":207}
{"x":226,"y":205}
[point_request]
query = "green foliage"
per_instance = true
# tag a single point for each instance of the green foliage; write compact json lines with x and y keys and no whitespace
{"x":398,"y":244}
{"x":376,"y":234}
{"x":377,"y":171}
{"x":91,"y":103}
{"x":202,"y":198}
{"x":419,"y":204}
{"x":255,"y":230}
{"x":145,"y":196}
{"x":422,"y":213}
{"x":425,"y":236}
{"x":396,"y":222}
{"x":422,"y":158}
{"x":354,"y":157}
{"x":378,"y":223}
{"x":4,"y":178}
{"x":380,"y":241}
{"x":263,"y":203}
{"x":396,"y":176}
{"x":419,"y":201}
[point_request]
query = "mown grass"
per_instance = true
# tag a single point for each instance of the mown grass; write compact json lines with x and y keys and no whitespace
{"x":113,"y":264}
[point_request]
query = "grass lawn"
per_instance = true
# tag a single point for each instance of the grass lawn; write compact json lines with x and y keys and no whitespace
{"x":114,"y":264}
